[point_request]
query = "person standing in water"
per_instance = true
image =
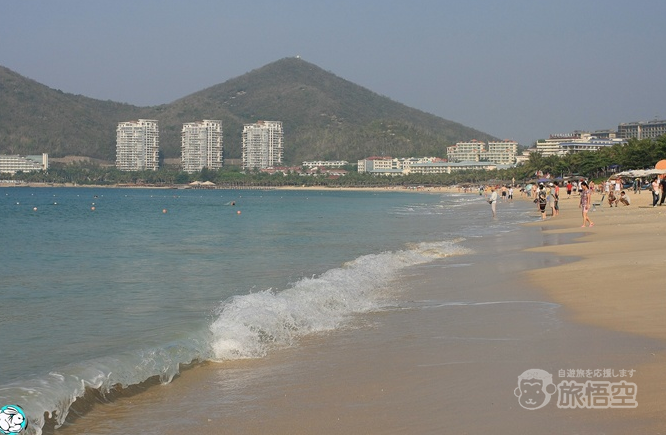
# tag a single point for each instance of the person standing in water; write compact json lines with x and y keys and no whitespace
{"x":493,"y":201}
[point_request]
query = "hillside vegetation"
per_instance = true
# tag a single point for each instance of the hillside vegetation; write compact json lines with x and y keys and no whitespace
{"x":324,"y":117}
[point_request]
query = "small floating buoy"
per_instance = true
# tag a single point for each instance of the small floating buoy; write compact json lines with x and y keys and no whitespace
{"x":34,"y":208}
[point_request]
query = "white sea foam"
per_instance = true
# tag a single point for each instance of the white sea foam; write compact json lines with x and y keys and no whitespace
{"x":249,"y":326}
{"x":52,"y":395}
{"x":245,"y":326}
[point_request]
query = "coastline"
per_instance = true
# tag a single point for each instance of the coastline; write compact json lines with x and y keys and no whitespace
{"x":443,"y":360}
{"x":441,"y":189}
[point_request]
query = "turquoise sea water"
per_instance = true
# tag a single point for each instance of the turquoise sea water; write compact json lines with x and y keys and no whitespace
{"x":107,"y":287}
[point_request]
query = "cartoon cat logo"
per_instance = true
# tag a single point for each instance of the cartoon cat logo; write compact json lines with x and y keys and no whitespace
{"x":12,"y":419}
{"x":535,"y":386}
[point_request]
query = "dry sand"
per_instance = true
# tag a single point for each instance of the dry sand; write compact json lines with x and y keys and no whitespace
{"x":618,"y":283}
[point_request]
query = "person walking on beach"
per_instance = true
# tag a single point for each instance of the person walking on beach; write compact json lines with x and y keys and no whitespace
{"x":585,"y":201}
{"x":654,"y":186}
{"x":556,"y":198}
{"x":569,"y":187}
{"x":541,"y":200}
{"x":493,"y":201}
{"x":662,"y":187}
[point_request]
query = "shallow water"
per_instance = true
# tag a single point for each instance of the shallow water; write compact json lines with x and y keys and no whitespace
{"x":108,"y":287}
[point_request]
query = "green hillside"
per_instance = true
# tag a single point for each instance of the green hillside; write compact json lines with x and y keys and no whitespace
{"x":324,"y":117}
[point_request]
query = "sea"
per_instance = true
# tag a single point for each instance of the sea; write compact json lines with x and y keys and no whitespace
{"x":104,"y":289}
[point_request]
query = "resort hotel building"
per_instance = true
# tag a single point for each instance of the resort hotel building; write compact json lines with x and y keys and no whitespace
{"x":201,"y":146}
{"x":420,"y":165}
{"x":11,"y":164}
{"x":642,"y":130}
{"x":263,"y":144}
{"x":562,"y":144}
{"x":499,"y":152}
{"x":137,"y":145}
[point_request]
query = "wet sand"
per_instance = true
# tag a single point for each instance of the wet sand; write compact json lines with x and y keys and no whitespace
{"x":618,"y":284}
{"x":444,"y":358}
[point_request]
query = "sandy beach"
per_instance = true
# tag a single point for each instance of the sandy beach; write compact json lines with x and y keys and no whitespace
{"x":617,"y":282}
{"x":446,"y":358}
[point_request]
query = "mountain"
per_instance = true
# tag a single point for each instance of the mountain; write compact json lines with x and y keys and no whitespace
{"x":35,"y":119}
{"x":324,"y":117}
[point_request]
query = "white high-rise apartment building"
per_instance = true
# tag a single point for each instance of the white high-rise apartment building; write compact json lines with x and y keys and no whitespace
{"x":137,"y":145}
{"x":263,"y":144}
{"x":201,"y":145}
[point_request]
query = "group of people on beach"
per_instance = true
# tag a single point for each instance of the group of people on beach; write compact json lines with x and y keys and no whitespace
{"x":546,"y":195}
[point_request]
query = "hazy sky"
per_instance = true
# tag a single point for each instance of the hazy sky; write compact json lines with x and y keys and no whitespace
{"x":515,"y":69}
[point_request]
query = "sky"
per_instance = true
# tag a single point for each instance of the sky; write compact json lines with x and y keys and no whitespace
{"x":515,"y":69}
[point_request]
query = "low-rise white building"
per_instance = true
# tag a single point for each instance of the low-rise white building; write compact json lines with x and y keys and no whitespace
{"x":449,"y":167}
{"x":466,"y":151}
{"x":419,"y":165}
{"x":501,"y":152}
{"x":642,"y":130}
{"x":11,"y":164}
{"x":592,"y":144}
{"x":325,"y":164}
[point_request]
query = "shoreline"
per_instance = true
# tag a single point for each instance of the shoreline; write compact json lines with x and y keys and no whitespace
{"x":439,"y":189}
{"x":423,"y":367}
{"x":443,"y":360}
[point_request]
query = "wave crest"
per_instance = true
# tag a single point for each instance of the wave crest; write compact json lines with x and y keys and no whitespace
{"x":249,"y":326}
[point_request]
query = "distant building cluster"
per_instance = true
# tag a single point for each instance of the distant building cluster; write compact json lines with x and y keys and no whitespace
{"x":571,"y":143}
{"x":137,"y":145}
{"x":137,"y":149}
